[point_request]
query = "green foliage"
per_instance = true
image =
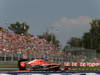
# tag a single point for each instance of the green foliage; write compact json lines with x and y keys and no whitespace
{"x":19,"y":28}
{"x":50,"y":38}
{"x":87,"y":40}
{"x":92,"y":38}
{"x":75,"y":42}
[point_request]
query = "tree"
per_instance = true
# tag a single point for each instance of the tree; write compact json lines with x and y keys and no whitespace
{"x":87,"y":40}
{"x":19,"y":28}
{"x":92,"y":38}
{"x":50,"y":38}
{"x":75,"y":42}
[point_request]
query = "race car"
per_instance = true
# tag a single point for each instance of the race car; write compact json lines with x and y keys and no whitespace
{"x":37,"y":65}
{"x":41,"y":65}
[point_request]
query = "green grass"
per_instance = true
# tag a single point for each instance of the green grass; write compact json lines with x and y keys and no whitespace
{"x":8,"y":64}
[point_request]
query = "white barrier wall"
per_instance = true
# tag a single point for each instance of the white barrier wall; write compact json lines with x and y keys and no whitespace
{"x":81,"y":64}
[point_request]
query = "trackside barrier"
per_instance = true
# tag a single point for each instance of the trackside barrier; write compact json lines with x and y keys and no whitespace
{"x":81,"y":64}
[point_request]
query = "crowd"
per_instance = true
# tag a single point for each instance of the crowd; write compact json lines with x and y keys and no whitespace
{"x":29,"y":46}
{"x":32,"y":47}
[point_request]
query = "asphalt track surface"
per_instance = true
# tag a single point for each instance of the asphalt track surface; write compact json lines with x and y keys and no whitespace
{"x":6,"y":71}
{"x":16,"y":69}
{"x":49,"y":73}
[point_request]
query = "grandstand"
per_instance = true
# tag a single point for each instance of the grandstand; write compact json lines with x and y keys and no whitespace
{"x":16,"y":46}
